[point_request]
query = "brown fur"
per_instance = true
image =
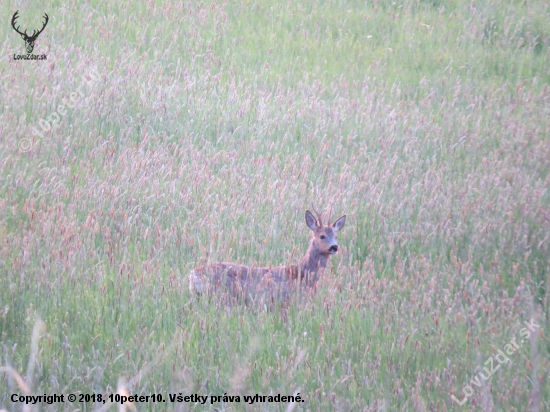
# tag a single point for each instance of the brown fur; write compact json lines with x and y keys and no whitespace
{"x":260,"y":283}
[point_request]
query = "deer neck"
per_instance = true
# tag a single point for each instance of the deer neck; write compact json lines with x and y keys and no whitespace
{"x":312,"y":265}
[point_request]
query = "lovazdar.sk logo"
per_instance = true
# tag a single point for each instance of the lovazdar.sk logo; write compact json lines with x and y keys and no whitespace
{"x":29,"y":39}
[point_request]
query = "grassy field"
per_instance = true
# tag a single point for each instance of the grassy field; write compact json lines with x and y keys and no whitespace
{"x":160,"y":135}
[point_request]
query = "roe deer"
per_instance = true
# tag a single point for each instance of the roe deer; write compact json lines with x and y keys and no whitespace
{"x":255,"y":283}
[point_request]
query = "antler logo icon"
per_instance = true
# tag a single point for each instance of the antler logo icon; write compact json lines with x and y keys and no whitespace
{"x":29,"y":40}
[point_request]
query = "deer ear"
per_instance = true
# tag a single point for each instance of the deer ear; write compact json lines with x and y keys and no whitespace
{"x":339,"y":223}
{"x":311,"y":221}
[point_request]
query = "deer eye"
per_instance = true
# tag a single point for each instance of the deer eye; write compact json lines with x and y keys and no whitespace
{"x":323,"y":237}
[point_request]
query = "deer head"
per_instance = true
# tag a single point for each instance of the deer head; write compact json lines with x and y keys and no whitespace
{"x":324,"y":237}
{"x":29,"y":40}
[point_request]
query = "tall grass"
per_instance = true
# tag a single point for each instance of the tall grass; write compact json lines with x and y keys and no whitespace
{"x":210,"y":129}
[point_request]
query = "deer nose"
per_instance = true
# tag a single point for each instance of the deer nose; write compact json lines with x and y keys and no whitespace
{"x":334,"y":248}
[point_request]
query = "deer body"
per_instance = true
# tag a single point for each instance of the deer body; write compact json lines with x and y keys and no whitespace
{"x":261,"y":283}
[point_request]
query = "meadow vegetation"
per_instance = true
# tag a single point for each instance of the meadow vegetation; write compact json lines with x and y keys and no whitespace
{"x":209,"y":129}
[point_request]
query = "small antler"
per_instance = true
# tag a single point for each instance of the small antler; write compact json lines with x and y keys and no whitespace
{"x":319,"y":216}
{"x":329,"y":214}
